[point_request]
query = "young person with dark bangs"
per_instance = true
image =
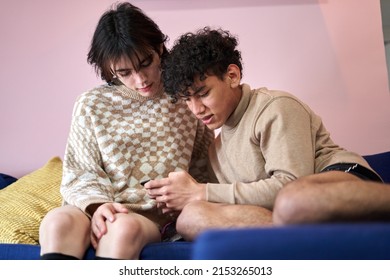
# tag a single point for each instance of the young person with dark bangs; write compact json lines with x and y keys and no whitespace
{"x":123,"y":133}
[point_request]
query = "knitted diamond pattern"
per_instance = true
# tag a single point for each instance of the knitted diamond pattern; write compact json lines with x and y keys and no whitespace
{"x":119,"y":139}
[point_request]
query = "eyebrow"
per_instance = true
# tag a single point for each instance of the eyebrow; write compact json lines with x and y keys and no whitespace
{"x":122,"y":70}
{"x":130,"y":69}
{"x":196,"y":91}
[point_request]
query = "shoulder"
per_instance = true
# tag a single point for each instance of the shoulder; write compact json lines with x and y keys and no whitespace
{"x":267,"y":95}
{"x":266,"y":99}
{"x":93,"y":98}
{"x":95,"y":93}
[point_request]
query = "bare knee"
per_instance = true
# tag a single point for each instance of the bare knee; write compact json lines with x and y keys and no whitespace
{"x":310,"y":198}
{"x":125,"y":228}
{"x":126,"y":236}
{"x":66,"y":230}
{"x":191,"y":219}
{"x":291,"y":202}
{"x":63,"y":221}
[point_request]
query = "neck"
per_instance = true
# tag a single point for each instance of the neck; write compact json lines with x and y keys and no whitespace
{"x":237,"y":92}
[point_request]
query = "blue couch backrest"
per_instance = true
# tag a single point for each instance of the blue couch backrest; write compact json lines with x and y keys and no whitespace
{"x":381,"y":164}
{"x":6,"y":180}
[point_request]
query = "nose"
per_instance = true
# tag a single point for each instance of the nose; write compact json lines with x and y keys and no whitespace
{"x":196,"y":106}
{"x":139,"y":77}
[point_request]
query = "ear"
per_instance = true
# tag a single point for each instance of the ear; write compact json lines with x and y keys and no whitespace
{"x":233,"y":75}
{"x":161,"y":50}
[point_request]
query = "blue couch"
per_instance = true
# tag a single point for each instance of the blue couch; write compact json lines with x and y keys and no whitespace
{"x":351,"y":241}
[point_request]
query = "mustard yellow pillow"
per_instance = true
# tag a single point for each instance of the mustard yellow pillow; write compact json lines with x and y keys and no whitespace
{"x":24,"y":203}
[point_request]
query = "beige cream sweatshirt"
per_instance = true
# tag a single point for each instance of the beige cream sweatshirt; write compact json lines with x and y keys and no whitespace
{"x":270,"y":139}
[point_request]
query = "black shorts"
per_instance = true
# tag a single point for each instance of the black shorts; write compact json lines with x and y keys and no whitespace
{"x":355,"y":169}
{"x":169,"y":233}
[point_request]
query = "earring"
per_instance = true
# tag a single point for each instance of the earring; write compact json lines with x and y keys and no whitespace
{"x":114,"y":77}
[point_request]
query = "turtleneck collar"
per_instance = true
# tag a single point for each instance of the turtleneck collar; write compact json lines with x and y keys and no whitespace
{"x":237,"y":114}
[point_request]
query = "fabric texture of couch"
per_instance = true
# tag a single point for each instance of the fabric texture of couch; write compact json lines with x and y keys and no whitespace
{"x":24,"y":202}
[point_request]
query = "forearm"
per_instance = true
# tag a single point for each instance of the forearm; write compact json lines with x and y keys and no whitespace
{"x":84,"y":181}
{"x":260,"y":193}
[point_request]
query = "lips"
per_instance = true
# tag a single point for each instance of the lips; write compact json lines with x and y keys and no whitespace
{"x":145,"y":89}
{"x":207,"y":120}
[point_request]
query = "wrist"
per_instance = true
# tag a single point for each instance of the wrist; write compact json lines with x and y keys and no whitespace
{"x":203,"y":192}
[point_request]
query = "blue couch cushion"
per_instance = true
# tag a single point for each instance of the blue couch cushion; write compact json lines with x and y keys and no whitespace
{"x":156,"y":251}
{"x":381,"y":164}
{"x":19,"y":252}
{"x":180,"y":250}
{"x":6,"y":180}
{"x":355,"y":241}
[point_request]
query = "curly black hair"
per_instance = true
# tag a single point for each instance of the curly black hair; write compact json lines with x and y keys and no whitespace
{"x":198,"y":55}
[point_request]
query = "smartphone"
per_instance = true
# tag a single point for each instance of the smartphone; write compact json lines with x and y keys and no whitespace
{"x":144,"y":182}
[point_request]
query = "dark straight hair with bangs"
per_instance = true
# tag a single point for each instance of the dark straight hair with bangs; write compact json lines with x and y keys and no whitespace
{"x":124,"y":30}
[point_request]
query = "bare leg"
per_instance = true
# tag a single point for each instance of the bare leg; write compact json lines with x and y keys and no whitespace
{"x":65,"y":230}
{"x":331,"y":196}
{"x":126,"y":237}
{"x":199,"y":216}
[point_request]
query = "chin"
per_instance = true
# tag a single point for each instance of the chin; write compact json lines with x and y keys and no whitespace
{"x":213,"y":126}
{"x":147,"y":94}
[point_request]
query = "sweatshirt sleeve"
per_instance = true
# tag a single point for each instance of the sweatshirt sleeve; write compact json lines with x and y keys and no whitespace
{"x":84,"y":180}
{"x":283,"y":133}
{"x":199,"y":165}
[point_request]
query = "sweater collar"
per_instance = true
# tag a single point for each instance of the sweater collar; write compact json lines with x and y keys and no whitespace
{"x":237,"y":114}
{"x":125,"y":91}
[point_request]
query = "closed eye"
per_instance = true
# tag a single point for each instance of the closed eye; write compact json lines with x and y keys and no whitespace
{"x":203,"y":94}
{"x":124,"y":73}
{"x":146,"y":62}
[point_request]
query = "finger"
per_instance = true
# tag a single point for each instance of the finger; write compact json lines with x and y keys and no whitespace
{"x":157,"y":183}
{"x":161,"y":205}
{"x":153,"y":193}
{"x":104,"y":214}
{"x":99,"y":227}
{"x":93,"y":241}
{"x":120,"y":208}
{"x":152,"y":196}
{"x":166,"y":210}
{"x":161,"y":199}
{"x":171,"y":212}
{"x":95,"y":231}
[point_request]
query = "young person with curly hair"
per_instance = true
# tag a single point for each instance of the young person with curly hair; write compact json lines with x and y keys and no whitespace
{"x":122,"y":133}
{"x":268,"y":138}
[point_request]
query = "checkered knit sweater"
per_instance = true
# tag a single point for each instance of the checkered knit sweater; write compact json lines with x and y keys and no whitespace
{"x":119,"y":138}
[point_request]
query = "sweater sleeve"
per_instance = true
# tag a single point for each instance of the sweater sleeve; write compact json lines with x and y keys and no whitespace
{"x":84,"y":180}
{"x":283,"y":134}
{"x":199,"y":167}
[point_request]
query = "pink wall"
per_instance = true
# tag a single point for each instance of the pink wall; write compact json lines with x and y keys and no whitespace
{"x":330,"y":53}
